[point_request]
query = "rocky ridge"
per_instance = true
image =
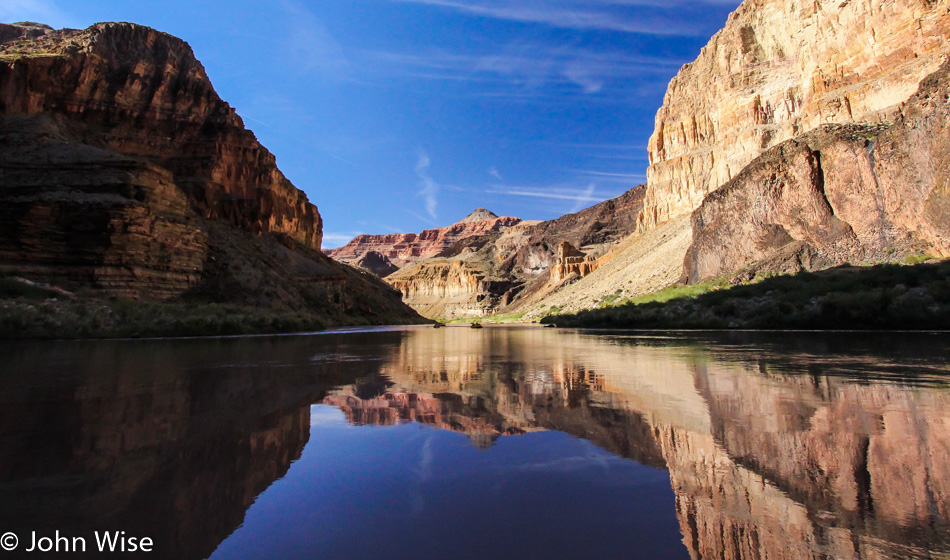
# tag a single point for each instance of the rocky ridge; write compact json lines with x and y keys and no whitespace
{"x":124,"y":174}
{"x":494,"y":265}
{"x":401,"y":249}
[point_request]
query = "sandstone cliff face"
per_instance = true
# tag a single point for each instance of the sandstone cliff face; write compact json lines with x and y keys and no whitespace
{"x":842,"y":194}
{"x":402,"y":249}
{"x":780,"y":69}
{"x":122,"y":173}
{"x":447,"y":288}
{"x":570,"y":262}
{"x":485,"y":264}
{"x":141,"y":93}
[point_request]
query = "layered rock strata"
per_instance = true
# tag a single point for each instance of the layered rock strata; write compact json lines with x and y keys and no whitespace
{"x":776,"y":71}
{"x":402,"y":249}
{"x":124,"y":174}
{"x":572,"y":262}
{"x":841,"y":194}
{"x":142,"y":93}
{"x":485,"y":264}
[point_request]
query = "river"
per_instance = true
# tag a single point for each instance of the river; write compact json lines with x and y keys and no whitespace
{"x":502,"y":442}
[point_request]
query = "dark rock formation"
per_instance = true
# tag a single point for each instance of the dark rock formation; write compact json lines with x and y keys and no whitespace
{"x":377,"y":263}
{"x":598,"y":227}
{"x":123,"y":173}
{"x":842,"y":194}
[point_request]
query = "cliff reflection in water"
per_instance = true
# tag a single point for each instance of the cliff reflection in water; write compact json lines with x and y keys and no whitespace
{"x":778,"y":446}
{"x":167,"y":439}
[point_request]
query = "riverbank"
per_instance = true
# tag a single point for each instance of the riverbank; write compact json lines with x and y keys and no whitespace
{"x":30,"y":311}
{"x":914,"y":297}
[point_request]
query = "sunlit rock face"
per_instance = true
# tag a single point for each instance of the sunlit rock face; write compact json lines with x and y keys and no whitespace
{"x":445,"y":288}
{"x":780,"y":69}
{"x":571,"y":262}
{"x":402,"y":249}
{"x":841,"y":194}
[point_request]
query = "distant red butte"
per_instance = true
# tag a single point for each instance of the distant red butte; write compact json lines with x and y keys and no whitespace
{"x":396,"y":250}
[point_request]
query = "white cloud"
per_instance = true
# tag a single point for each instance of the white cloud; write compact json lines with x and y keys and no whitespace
{"x":310,"y":43}
{"x":608,"y":15}
{"x":579,"y":195}
{"x":523,"y":69}
{"x":428,"y":188}
{"x":494,"y":173}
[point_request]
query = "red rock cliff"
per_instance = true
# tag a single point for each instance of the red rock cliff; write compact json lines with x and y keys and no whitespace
{"x":142,"y":93}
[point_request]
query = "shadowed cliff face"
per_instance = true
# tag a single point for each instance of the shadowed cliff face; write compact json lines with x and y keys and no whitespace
{"x":141,"y":93}
{"x":122,"y":173}
{"x":849,"y":194}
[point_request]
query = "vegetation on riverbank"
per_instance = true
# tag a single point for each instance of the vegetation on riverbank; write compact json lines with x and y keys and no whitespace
{"x":33,"y":311}
{"x":875,"y":298}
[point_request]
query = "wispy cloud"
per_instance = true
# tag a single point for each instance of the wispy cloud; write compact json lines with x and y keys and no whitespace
{"x":579,"y":195}
{"x":611,"y":176}
{"x":521,"y":67}
{"x":309,"y":42}
{"x":648,"y":17}
{"x":428,"y":188}
{"x":494,"y":173}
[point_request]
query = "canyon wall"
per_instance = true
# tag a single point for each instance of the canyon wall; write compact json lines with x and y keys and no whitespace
{"x":143,"y":94}
{"x":780,"y":69}
{"x":486,"y":264}
{"x":841,"y":194}
{"x":122,"y":173}
{"x":401,"y":249}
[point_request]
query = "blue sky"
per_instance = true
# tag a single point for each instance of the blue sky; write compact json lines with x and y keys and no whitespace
{"x":399,"y":115}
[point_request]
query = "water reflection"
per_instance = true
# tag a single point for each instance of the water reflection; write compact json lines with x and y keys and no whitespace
{"x":829,"y":445}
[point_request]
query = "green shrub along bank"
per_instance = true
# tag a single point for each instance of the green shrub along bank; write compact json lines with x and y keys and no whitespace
{"x":33,"y":311}
{"x":873,"y":298}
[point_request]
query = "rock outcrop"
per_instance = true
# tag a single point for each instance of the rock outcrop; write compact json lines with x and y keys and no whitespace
{"x":122,"y":173}
{"x":402,"y":249}
{"x":451,"y":287}
{"x":570,"y":262}
{"x":841,"y":194}
{"x":485,"y":264}
{"x":141,"y":93}
{"x":778,"y":70}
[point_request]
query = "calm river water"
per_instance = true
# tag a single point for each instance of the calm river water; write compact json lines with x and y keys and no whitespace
{"x":450,"y":443}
